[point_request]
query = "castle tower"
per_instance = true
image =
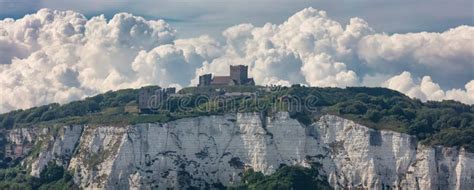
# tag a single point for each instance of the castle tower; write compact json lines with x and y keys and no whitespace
{"x":239,"y":74}
{"x":205,"y":80}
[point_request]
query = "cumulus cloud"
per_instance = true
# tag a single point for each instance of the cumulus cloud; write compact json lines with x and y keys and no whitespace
{"x":59,"y":56}
{"x":426,"y":89}
{"x":174,"y":65}
{"x":441,"y":55}
{"x":308,"y":48}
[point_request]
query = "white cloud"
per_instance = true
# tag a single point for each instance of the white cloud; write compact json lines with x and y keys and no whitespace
{"x":321,"y":70}
{"x":308,"y":48}
{"x":170,"y":65}
{"x":426,"y":89}
{"x":59,"y":56}
{"x":431,"y":90}
{"x":404,"y":83}
{"x":450,"y":53}
{"x":466,"y":96}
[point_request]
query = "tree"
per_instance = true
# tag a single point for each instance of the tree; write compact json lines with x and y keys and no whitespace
{"x":8,"y":122}
{"x":286,"y":177}
{"x":373,"y":115}
{"x":353,"y":108}
{"x":51,"y":172}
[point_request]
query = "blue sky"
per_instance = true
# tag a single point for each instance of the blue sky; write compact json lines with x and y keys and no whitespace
{"x":194,"y":18}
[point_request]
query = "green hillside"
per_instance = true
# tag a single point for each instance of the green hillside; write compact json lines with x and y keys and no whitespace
{"x":447,"y":123}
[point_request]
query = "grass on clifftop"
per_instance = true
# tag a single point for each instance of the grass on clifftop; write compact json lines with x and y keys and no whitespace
{"x":447,"y":123}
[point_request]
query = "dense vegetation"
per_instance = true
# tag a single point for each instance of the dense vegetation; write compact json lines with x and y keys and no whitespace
{"x":286,"y":177}
{"x":447,"y":123}
{"x":52,"y":177}
{"x":107,"y":103}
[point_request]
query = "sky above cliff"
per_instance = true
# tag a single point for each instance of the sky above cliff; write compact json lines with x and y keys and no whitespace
{"x":193,"y":18}
{"x":424,"y":49}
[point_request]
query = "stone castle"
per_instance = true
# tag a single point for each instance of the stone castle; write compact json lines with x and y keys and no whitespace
{"x":149,"y":98}
{"x":238,"y":76}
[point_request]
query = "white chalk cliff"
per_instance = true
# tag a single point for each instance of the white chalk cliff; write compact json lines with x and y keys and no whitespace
{"x":209,"y":150}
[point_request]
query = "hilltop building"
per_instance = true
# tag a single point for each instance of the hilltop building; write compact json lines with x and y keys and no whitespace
{"x":238,"y":76}
{"x":149,"y":98}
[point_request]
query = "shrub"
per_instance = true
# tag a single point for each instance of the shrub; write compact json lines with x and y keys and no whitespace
{"x":51,"y":172}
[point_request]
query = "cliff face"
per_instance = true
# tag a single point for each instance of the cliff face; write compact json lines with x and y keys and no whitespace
{"x":205,"y":151}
